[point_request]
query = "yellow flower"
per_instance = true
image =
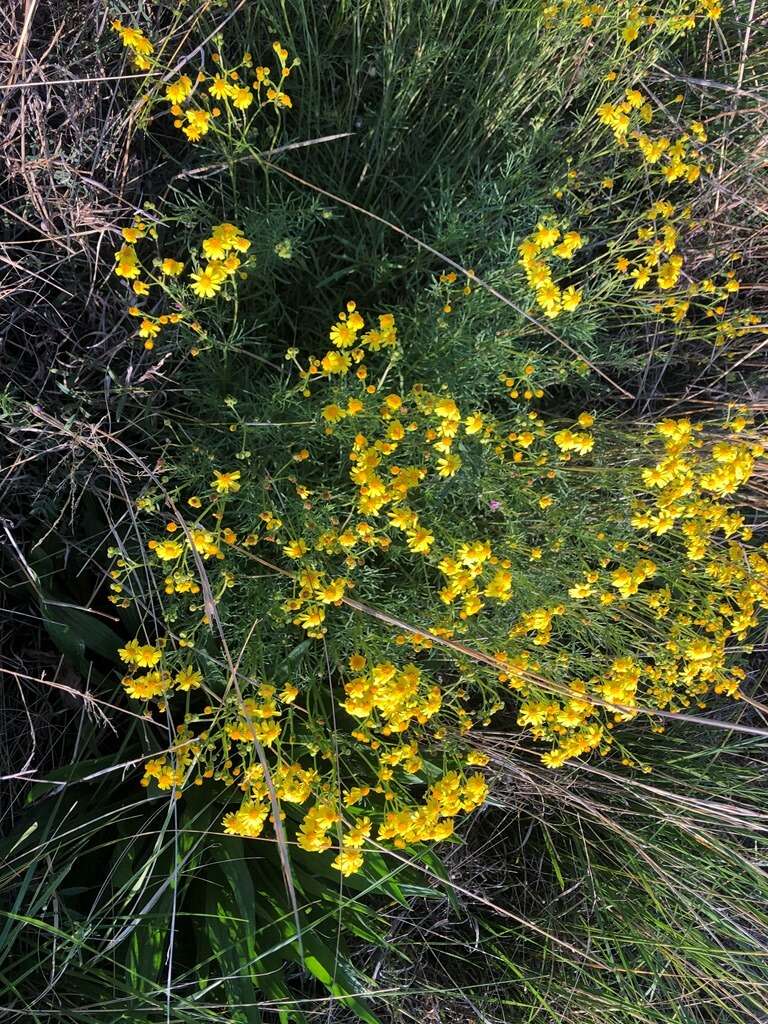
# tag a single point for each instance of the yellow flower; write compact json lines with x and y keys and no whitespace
{"x":572,"y":241}
{"x":218,"y":272}
{"x":198,"y":124}
{"x":500,"y":587}
{"x":420,"y":540}
{"x":167,"y":550}
{"x":127,"y":262}
{"x":188,"y":679}
{"x":204,"y":285}
{"x":311,"y":618}
{"x":178,"y":91}
{"x":248,"y":821}
{"x":147,"y":686}
{"x":333,"y":413}
{"x":289,"y":693}
{"x":550,"y":298}
{"x":545,"y":237}
{"x":348,"y":861}
{"x":448,"y":465}
{"x":130,"y":653}
{"x":242,"y":98}
{"x":334,"y":591}
{"x":343,"y":335}
{"x":171,"y":267}
{"x":148,"y":329}
{"x":226,"y":482}
{"x":133,"y":38}
{"x":642,"y":276}
{"x":296,"y":548}
{"x":571,"y":298}
{"x":335,"y":362}
{"x":220,"y":88}
{"x":446,"y":408}
{"x":147,"y":656}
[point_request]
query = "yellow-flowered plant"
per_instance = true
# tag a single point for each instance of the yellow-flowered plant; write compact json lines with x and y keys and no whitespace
{"x":134,"y":40}
{"x":631,"y":21}
{"x":234,"y":94}
{"x":580,"y":615}
{"x":224,"y":261}
{"x":546,"y":246}
{"x":674,"y":644}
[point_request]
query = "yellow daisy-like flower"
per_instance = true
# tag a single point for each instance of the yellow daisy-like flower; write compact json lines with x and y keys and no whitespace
{"x":130,"y":652}
{"x":348,"y":861}
{"x":147,"y":686}
{"x":335,"y":362}
{"x":168,"y":550}
{"x":147,"y":656}
{"x":343,"y":335}
{"x":296,"y":548}
{"x":448,"y":465}
{"x":178,"y":91}
{"x":148,"y":329}
{"x":127,"y":262}
{"x":204,"y":284}
{"x":570,"y":298}
{"x":133,"y":38}
{"x":226,"y":482}
{"x":220,"y":88}
{"x":171,"y":267}
{"x":333,"y":413}
{"x":289,"y":693}
{"x":217,"y":246}
{"x":188,"y":679}
{"x":242,"y":98}
{"x":420,"y":540}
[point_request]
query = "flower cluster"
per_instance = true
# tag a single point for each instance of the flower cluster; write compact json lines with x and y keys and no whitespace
{"x":195,"y":103}
{"x":661,"y":609}
{"x":536,"y":253}
{"x":631,"y":20}
{"x":164,"y":274}
{"x":156,"y":683}
{"x":196,"y":106}
{"x":221,"y":250}
{"x":686,"y":495}
{"x":675,"y":159}
{"x":447,"y":283}
{"x":653,"y":258}
{"x":133,"y":39}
